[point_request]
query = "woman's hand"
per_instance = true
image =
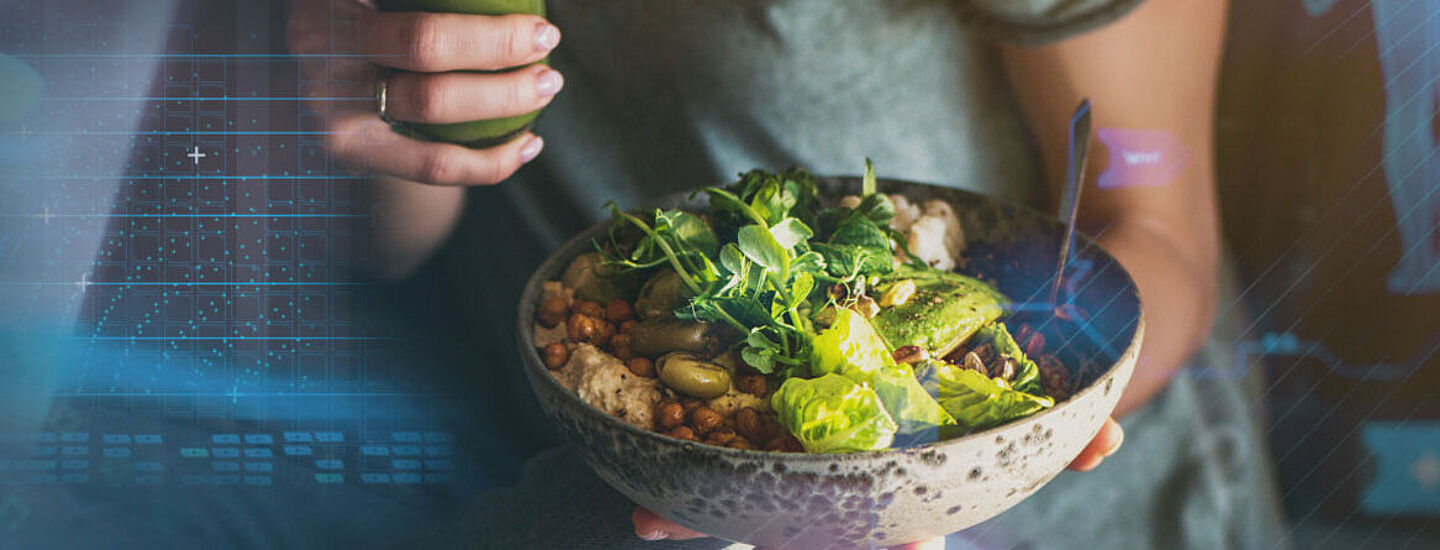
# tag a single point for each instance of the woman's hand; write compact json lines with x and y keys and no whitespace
{"x":346,"y":45}
{"x":650,"y":526}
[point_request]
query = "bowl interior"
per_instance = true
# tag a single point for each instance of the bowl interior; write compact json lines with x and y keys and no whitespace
{"x":1014,"y":247}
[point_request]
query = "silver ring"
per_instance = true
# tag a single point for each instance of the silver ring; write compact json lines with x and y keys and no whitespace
{"x":382,"y":96}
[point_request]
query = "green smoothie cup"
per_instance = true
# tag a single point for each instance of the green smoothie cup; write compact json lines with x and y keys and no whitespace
{"x":480,"y":133}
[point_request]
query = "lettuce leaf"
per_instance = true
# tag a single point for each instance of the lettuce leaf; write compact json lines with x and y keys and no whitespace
{"x":833,"y":414}
{"x":851,"y":348}
{"x":978,"y":401}
{"x":1027,"y":373}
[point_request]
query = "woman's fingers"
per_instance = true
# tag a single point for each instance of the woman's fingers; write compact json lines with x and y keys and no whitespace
{"x":650,"y":526}
{"x":371,"y":145}
{"x":1105,"y":443}
{"x":461,"y":97}
{"x":937,"y":543}
{"x":440,"y":42}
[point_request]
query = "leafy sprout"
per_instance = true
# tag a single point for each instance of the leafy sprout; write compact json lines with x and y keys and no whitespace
{"x":758,"y":256}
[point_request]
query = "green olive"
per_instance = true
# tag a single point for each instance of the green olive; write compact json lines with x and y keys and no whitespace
{"x":661,"y":335}
{"x":596,"y":282}
{"x":664,"y":292}
{"x":687,"y":373}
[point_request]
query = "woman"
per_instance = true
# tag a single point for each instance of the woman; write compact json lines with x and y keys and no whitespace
{"x":668,"y":94}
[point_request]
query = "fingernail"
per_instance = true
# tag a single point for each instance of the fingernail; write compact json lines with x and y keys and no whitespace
{"x":547,"y":36}
{"x":653,"y":535}
{"x":549,"y":82}
{"x":1116,"y":445}
{"x":532,"y":149}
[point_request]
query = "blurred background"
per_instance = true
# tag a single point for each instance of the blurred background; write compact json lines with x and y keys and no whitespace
{"x":178,"y":307}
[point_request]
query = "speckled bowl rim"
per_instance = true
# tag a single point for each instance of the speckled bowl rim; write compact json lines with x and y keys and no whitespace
{"x":533,"y":364}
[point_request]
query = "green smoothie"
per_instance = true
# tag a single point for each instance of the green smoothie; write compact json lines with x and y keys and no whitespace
{"x":479,"y":133}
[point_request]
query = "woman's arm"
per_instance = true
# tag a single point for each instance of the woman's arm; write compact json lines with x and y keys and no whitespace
{"x":1155,"y":69}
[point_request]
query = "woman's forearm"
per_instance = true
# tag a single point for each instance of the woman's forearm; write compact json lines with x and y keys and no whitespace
{"x":1153,"y":70}
{"x":1178,"y":300}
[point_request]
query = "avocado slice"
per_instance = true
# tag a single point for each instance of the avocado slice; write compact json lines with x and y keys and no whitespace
{"x":944,"y":311}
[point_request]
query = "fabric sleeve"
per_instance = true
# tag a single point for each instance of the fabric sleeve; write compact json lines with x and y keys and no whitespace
{"x":1039,"y":22}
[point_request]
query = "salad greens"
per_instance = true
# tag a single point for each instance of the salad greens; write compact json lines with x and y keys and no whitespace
{"x":852,"y":349}
{"x":978,"y":401}
{"x":1027,"y":374}
{"x":787,"y":276}
{"x":780,"y":246}
{"x":833,"y":414}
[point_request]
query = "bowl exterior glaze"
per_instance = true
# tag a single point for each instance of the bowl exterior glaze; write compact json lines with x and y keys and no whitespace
{"x":870,"y":499}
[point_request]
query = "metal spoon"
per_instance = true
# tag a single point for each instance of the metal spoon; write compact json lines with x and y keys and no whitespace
{"x":1070,"y":199}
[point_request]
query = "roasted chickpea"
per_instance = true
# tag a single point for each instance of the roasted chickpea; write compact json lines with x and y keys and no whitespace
{"x":580,"y":328}
{"x":641,"y":366}
{"x":627,"y":327}
{"x":682,"y":432}
{"x":619,"y":311}
{"x":690,"y":403}
{"x":723,"y":435}
{"x":770,"y":428}
{"x":619,"y":340}
{"x":739,"y":443}
{"x":705,"y":420}
{"x":555,"y":355}
{"x":623,"y":353}
{"x":753,"y":384}
{"x":747,"y":423}
{"x":669,"y":414}
{"x":552,"y":311}
{"x":584,"y":328}
{"x":785,"y":443}
{"x":586,"y":307}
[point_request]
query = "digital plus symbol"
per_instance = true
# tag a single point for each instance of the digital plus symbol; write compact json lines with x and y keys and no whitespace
{"x":46,"y":215}
{"x":1426,"y":470}
{"x":24,"y":133}
{"x":84,"y":282}
{"x":196,"y":155}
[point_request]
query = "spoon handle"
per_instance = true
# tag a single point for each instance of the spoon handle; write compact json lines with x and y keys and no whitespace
{"x":1070,"y":199}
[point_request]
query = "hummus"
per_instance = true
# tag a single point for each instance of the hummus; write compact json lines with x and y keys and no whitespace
{"x":605,"y":383}
{"x":734,"y":400}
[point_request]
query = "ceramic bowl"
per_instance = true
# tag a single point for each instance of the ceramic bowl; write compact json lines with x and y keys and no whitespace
{"x":880,"y":498}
